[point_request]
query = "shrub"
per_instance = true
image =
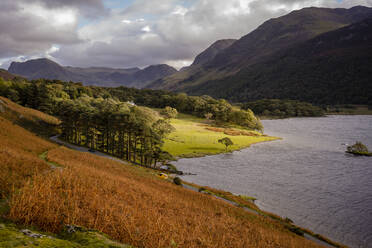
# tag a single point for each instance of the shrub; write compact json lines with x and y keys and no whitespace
{"x":177,"y":181}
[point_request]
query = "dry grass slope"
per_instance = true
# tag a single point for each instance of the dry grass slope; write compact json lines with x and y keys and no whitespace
{"x":19,"y":160}
{"x":124,"y":202}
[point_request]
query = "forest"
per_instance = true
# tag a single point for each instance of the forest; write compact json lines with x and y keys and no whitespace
{"x":283,"y":108}
{"x":118,"y":121}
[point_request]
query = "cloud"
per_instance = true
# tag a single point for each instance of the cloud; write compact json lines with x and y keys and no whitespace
{"x":88,"y":8}
{"x":29,"y":28}
{"x":146,"y":29}
{"x":144,"y":33}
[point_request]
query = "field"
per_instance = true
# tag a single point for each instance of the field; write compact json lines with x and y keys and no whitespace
{"x":192,"y":138}
{"x":128,"y":203}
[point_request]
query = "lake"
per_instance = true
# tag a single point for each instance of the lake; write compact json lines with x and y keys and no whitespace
{"x":307,"y":176}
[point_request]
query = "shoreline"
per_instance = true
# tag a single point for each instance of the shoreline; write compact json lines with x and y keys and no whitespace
{"x":248,"y":204}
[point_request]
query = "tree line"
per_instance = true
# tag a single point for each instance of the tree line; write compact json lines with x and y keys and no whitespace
{"x":44,"y":94}
{"x":204,"y":106}
{"x":283,"y":108}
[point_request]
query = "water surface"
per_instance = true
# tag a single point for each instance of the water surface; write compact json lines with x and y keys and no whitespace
{"x":306,"y":176}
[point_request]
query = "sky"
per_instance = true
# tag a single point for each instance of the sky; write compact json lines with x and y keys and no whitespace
{"x":132,"y":33}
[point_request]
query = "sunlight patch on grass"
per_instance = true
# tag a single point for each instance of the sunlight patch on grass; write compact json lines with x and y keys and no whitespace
{"x":192,"y":139}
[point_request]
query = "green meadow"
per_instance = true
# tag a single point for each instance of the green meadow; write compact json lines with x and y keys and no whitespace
{"x":192,"y":139}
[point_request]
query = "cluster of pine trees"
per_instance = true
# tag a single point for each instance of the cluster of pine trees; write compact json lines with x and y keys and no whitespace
{"x":129,"y":132}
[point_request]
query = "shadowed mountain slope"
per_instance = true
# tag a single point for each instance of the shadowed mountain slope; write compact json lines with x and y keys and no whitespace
{"x":332,"y":68}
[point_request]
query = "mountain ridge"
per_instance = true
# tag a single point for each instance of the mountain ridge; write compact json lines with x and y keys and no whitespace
{"x":99,"y":76}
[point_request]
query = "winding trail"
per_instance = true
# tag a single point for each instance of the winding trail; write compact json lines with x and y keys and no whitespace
{"x":85,"y":149}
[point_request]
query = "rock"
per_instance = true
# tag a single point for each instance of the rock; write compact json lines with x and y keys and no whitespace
{"x":32,"y":234}
{"x":73,"y":229}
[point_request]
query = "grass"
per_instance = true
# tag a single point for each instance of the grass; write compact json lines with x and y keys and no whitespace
{"x":193,"y":138}
{"x":122,"y":201}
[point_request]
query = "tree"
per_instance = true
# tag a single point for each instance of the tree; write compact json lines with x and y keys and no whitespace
{"x":226,"y":141}
{"x":169,"y":112}
{"x":208,"y":116}
{"x":163,"y":127}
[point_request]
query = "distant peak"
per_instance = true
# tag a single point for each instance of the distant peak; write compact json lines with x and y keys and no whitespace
{"x":159,"y":66}
{"x":34,"y":61}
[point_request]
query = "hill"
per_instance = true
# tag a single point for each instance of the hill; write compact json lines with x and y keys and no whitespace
{"x":126,"y":202}
{"x":258,"y":47}
{"x":31,"y":119}
{"x":4,"y":74}
{"x":100,"y":76}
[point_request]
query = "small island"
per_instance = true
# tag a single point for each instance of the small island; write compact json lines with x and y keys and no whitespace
{"x":359,"y":149}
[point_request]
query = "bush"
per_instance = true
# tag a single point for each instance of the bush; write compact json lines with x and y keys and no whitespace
{"x":288,"y":220}
{"x":296,"y":230}
{"x":177,"y":181}
{"x":358,"y":147}
{"x":201,"y":189}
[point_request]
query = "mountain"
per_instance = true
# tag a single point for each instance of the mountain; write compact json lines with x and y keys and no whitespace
{"x":332,"y":68}
{"x":39,"y":68}
{"x":151,"y":73}
{"x":100,"y":76}
{"x":261,"y":45}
